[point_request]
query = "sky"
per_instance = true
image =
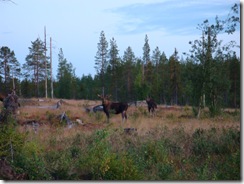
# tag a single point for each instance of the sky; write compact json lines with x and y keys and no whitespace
{"x":75,"y":26}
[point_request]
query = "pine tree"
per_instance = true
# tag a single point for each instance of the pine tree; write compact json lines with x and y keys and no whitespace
{"x":35,"y":64}
{"x":9,"y":66}
{"x":101,"y":58}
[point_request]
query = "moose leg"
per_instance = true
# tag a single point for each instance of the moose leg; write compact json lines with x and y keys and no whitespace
{"x":124,"y":116}
{"x":149,"y":111}
{"x":107,"y":114}
{"x":153,"y":111}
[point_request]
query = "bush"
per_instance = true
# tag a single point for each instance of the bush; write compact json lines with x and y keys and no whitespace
{"x":229,"y":168}
{"x":209,"y":142}
{"x":31,"y":160}
{"x":205,"y":142}
{"x":98,"y":161}
{"x":162,"y":155}
{"x":11,"y":142}
{"x":60,"y":165}
{"x":216,"y":153}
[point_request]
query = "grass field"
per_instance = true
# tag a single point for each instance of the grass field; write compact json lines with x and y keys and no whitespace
{"x":138,"y":117}
{"x":172,"y":145}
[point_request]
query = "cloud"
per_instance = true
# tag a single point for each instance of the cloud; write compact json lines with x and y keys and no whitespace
{"x":6,"y":32}
{"x":172,"y":16}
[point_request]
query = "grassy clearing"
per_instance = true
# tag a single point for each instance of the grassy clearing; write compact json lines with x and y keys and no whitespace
{"x":173,"y":145}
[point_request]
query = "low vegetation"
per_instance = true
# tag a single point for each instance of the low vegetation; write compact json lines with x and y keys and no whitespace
{"x":172,"y":145}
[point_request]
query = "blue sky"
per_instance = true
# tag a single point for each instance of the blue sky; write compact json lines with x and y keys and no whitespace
{"x":75,"y":26}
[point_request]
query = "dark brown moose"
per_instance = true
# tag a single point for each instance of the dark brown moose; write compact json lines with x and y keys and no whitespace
{"x":113,"y":107}
{"x":151,"y":105}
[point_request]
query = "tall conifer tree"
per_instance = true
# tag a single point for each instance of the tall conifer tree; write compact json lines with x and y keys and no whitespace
{"x":101,"y":58}
{"x":9,"y":66}
{"x":35,"y":63}
{"x":113,"y":65}
{"x":129,"y":62}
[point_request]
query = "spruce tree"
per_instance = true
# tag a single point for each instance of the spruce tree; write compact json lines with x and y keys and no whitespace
{"x":113,"y":65}
{"x":101,"y":59}
{"x":156,"y":84}
{"x":65,"y":77}
{"x":145,"y":58}
{"x":174,"y":77}
{"x":164,"y":77}
{"x":235,"y":77}
{"x":129,"y":62}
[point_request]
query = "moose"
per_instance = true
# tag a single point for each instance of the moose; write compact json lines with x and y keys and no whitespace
{"x":114,"y":107}
{"x":151,"y":105}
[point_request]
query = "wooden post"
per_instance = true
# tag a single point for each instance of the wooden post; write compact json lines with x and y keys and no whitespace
{"x":45,"y":49}
{"x":51,"y":78}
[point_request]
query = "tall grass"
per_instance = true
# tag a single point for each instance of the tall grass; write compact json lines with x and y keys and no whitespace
{"x":166,"y":147}
{"x":112,"y":154}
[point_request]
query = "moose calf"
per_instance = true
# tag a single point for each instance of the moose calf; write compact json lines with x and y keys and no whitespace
{"x":114,"y":107}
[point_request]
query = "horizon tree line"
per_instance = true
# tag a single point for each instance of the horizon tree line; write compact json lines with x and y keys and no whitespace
{"x":208,"y":76}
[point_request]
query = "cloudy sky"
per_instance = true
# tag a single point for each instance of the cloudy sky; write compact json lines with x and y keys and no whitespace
{"x":75,"y":26}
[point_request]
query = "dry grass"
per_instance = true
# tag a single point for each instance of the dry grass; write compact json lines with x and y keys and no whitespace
{"x":138,"y":117}
{"x":168,"y":136}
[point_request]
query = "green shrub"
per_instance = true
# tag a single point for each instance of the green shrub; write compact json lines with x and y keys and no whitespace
{"x":217,"y":154}
{"x":109,"y":154}
{"x":31,"y":160}
{"x":213,"y":142}
{"x":119,"y":167}
{"x":11,"y":142}
{"x":205,"y":142}
{"x":60,"y":165}
{"x":98,"y":161}
{"x":229,"y":168}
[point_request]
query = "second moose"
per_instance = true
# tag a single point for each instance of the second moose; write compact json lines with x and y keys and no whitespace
{"x":151,"y":105}
{"x":114,"y":107}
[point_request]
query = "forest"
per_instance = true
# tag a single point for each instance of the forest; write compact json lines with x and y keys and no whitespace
{"x":194,"y":134}
{"x":209,"y":75}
